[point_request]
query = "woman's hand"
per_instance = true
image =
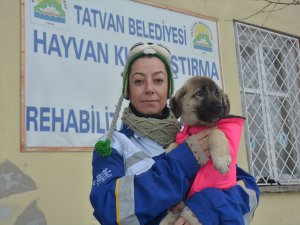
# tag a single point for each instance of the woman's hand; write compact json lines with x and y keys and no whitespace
{"x":198,"y":144}
{"x":181,"y":221}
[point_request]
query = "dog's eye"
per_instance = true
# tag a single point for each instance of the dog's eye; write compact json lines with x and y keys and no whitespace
{"x":200,"y":93}
{"x":217,"y":93}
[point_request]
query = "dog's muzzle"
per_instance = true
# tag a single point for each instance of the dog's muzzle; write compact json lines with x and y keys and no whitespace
{"x":211,"y":111}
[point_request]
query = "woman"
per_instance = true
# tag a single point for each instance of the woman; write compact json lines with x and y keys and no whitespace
{"x":134,"y":180}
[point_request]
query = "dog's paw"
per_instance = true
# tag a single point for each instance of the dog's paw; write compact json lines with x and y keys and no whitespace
{"x":170,"y":218}
{"x":222,"y":163}
{"x":219,"y":151}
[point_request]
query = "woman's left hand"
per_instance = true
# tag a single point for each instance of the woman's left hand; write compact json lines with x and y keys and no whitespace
{"x":181,"y":221}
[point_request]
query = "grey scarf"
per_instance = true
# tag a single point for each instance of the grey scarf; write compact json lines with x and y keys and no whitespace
{"x":163,"y":131}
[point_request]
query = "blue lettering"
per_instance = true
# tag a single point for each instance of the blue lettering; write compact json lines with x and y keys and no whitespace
{"x":102,"y":20}
{"x":182,"y":60}
{"x":174,"y":34}
{"x":31,"y":117}
{"x":151,"y":30}
{"x":39,"y":41}
{"x":84,"y":121}
{"x":94,"y":12}
{"x":107,"y":121}
{"x":214,"y":72}
{"x":90,"y":52}
{"x":63,"y":46}
{"x":54,"y":46}
{"x":99,"y":129}
{"x":86,"y":17}
{"x":163,"y":32}
{"x":204,"y":71}
{"x":78,"y":51}
{"x":184,"y":35}
{"x":169,"y":32}
{"x":120,"y":24}
{"x":180,"y":36}
{"x":78,"y":8}
{"x":111,"y":23}
{"x":66,"y":44}
{"x":44,"y":119}
{"x":139,"y":28}
{"x":189,"y":66}
{"x":174,"y":66}
{"x":131,"y":26}
{"x":116,"y":24}
{"x":101,"y":53}
{"x":118,"y":55}
{"x":71,"y":122}
{"x":107,"y":21}
{"x":58,"y":119}
{"x":158,"y":32}
{"x":194,"y":66}
{"x":93,"y":119}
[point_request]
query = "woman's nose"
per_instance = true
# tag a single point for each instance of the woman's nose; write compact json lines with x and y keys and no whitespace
{"x":149,"y":87}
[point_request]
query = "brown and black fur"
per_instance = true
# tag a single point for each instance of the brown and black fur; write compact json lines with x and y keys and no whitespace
{"x":200,"y":102}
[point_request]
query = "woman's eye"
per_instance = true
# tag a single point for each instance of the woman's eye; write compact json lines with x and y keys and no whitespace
{"x":159,"y":81}
{"x":138,"y":82}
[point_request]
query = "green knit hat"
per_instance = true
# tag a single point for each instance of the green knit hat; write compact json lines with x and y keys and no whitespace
{"x":141,"y":49}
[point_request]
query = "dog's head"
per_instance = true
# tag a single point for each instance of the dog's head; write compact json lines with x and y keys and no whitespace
{"x":200,"y":102}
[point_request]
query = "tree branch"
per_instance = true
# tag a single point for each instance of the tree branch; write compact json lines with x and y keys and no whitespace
{"x":272,"y":6}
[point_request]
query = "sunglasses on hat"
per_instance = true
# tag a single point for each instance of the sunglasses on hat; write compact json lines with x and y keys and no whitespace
{"x":149,"y":43}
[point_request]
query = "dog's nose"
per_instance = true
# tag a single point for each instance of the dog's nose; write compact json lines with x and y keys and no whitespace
{"x":218,"y":109}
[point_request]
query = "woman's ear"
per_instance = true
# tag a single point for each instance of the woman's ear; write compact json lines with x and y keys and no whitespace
{"x":175,"y":102}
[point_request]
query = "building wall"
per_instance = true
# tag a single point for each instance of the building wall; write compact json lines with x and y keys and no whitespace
{"x":53,"y":188}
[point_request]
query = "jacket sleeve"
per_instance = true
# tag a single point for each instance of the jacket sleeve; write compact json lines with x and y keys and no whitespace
{"x":234,"y":206}
{"x":120,"y":199}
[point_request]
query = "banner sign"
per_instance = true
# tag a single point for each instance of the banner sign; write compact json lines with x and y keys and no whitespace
{"x":75,"y":51}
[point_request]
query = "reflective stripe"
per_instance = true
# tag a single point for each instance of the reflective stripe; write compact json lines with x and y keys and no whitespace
{"x":117,"y":202}
{"x":252,"y":202}
{"x":247,"y":218}
{"x":136,"y":157}
{"x":125,"y":206}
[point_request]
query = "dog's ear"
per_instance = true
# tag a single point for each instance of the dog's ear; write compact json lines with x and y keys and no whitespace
{"x":175,"y":102}
{"x":226,"y":104}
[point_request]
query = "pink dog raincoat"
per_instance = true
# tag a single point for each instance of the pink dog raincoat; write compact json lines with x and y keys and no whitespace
{"x":208,"y":176}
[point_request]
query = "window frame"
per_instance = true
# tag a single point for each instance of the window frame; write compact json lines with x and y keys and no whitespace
{"x":258,"y":46}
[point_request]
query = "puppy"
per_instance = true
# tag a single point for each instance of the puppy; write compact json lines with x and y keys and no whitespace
{"x":200,"y":102}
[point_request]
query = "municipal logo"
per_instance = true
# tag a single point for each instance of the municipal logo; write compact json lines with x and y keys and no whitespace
{"x":202,"y":37}
{"x":52,"y":13}
{"x":51,"y":10}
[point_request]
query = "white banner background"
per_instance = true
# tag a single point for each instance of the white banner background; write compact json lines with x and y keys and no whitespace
{"x":74,"y":55}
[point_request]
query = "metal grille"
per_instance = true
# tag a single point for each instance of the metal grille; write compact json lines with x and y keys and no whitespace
{"x":269,"y":73}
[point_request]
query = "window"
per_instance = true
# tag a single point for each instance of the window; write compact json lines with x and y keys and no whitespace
{"x":269,"y":70}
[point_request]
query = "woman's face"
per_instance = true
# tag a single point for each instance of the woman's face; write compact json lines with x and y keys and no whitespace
{"x":148,"y":86}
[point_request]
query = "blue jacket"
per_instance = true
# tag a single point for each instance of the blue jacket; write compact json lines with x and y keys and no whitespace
{"x":138,"y":183}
